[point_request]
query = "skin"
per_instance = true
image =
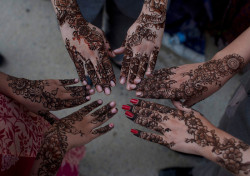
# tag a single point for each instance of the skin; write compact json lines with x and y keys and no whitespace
{"x":142,"y":43}
{"x":186,"y":130}
{"x":42,"y":96}
{"x":75,"y":130}
{"x":195,"y":82}
{"x":86,"y":45}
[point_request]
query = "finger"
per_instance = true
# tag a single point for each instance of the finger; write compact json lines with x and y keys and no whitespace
{"x":109,"y":72}
{"x":167,"y":94}
{"x":147,"y":121}
{"x":100,"y":131}
{"x":67,"y":82}
{"x":51,"y":118}
{"x":133,"y":69}
{"x":151,"y":105}
{"x":90,"y":107}
{"x":99,"y":120}
{"x":73,"y":102}
{"x":120,"y":50}
{"x":125,"y":65}
{"x":192,"y":101}
{"x":102,"y":111}
{"x":77,"y":91}
{"x":152,"y":61}
{"x":92,"y":74}
{"x":152,"y":137}
{"x":77,"y":58}
{"x":142,"y":68}
{"x":108,"y":48}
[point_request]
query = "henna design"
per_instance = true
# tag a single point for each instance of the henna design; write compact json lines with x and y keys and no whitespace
{"x":228,"y":151}
{"x":35,"y":91}
{"x":148,"y":25}
{"x":69,"y":12}
{"x":56,"y":144}
{"x":211,"y":72}
{"x":47,"y":116}
{"x":102,"y":114}
{"x":102,"y":130}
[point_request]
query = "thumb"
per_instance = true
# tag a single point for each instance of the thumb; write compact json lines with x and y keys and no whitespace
{"x":120,"y":50}
{"x":179,"y":105}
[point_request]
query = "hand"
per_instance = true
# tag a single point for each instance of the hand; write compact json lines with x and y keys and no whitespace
{"x":41,"y":96}
{"x":87,"y":46}
{"x":186,"y":130}
{"x":74,"y":130}
{"x":193,"y":82}
{"x":143,"y":42}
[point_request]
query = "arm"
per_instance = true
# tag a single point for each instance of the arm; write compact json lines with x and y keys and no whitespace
{"x":143,"y":42}
{"x":74,"y":130}
{"x":188,"y":131}
{"x":195,"y":82}
{"x":42,"y":96}
{"x":86,"y":44}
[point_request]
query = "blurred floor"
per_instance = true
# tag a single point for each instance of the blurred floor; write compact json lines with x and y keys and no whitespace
{"x":31,"y":41}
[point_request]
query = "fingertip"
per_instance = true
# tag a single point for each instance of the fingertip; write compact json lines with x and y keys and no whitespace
{"x":99,"y":88}
{"x":112,"y":83}
{"x":111,"y":125}
{"x":107,"y":91}
{"x":112,"y":103}
{"x":132,"y":86}
{"x":148,"y":73}
{"x":99,"y":101}
{"x":122,"y":80}
{"x":119,"y":50}
{"x":137,"y":80}
{"x":76,"y":80}
{"x":114,"y":110}
{"x":91,"y":91}
{"x":138,"y":93}
{"x":84,"y":83}
{"x":88,"y":97}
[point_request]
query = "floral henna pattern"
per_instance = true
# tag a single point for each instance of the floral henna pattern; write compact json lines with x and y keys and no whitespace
{"x":39,"y":92}
{"x":55,"y":143}
{"x":147,"y":28}
{"x":102,"y":114}
{"x":69,"y":12}
{"x":161,"y":83}
{"x":102,"y":130}
{"x":228,"y":151}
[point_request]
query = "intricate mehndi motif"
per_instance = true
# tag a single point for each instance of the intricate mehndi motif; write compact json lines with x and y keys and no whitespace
{"x":160,"y":85}
{"x":229,"y":151}
{"x":56,"y":144}
{"x":36,"y":92}
{"x":69,"y":12}
{"x":147,"y":26}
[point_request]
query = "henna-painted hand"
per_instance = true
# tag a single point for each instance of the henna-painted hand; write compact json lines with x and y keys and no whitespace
{"x":42,"y":96}
{"x":87,"y":46}
{"x":142,"y":44}
{"x":74,"y":130}
{"x":186,"y":130}
{"x":191,"y":83}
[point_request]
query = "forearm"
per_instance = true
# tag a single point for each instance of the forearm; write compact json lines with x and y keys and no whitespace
{"x":51,"y":153}
{"x":229,"y":152}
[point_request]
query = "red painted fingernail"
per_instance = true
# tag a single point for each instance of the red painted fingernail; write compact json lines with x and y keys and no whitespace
{"x":129,"y":114}
{"x":134,"y":131}
{"x":126,"y":107}
{"x":134,"y":101}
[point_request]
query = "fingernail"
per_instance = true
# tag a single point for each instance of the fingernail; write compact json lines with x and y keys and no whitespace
{"x":126,"y":107}
{"x":99,"y":88}
{"x":138,"y":93}
{"x":122,"y":81}
{"x":114,"y":110}
{"x":112,"y":83}
{"x":76,"y":80}
{"x":84,"y":83}
{"x":134,"y":101}
{"x":112,"y":103}
{"x":148,"y":73}
{"x":129,"y":114}
{"x":111,"y":125}
{"x":91,"y":91}
{"x":99,"y":101}
{"x":132,"y":86}
{"x":88,"y":97}
{"x":134,"y":131}
{"x":107,"y":91}
{"x":137,"y":80}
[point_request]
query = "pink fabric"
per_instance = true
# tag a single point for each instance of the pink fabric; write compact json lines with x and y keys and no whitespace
{"x":21,"y":134}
